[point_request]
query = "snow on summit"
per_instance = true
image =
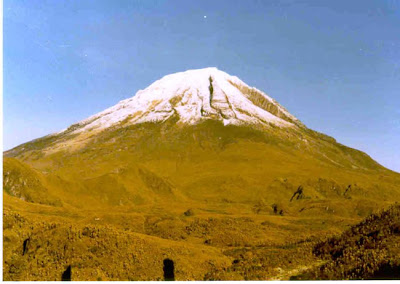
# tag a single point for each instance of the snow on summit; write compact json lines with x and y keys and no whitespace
{"x":194,"y":96}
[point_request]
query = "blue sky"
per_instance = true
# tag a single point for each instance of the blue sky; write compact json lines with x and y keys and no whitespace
{"x":333,"y":64}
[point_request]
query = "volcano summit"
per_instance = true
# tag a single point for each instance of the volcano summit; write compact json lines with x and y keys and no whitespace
{"x":194,"y":96}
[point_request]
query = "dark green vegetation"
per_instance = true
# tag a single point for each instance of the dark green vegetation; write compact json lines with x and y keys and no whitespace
{"x":369,"y":250}
{"x":216,"y":200}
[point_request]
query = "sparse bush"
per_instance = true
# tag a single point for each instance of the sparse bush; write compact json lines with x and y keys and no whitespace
{"x":189,"y":212}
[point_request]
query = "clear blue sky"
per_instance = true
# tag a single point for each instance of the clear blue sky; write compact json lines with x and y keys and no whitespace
{"x":333,"y":64}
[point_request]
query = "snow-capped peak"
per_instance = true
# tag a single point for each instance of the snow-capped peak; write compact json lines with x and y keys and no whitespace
{"x":194,"y":96}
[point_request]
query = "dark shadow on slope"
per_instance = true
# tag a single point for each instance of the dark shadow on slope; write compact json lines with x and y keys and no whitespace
{"x":168,"y":268}
{"x":66,"y":276}
{"x":25,"y":246}
{"x":386,"y":272}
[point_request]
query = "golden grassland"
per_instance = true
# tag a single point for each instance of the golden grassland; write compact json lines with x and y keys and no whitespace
{"x":214,"y":199}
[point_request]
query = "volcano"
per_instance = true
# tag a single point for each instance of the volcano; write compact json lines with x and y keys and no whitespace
{"x":198,"y":161}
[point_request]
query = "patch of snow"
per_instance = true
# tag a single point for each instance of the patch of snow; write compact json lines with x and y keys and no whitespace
{"x":187,"y":95}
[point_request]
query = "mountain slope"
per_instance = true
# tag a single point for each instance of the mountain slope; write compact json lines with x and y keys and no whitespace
{"x":190,"y":120}
{"x":23,"y":182}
